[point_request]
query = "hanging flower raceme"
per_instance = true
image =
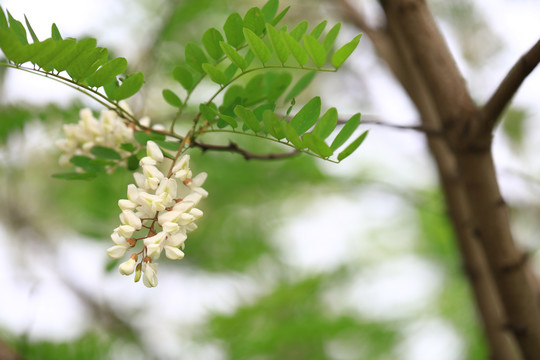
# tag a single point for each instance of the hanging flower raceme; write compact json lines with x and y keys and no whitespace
{"x":159,"y":212}
{"x":109,"y":131}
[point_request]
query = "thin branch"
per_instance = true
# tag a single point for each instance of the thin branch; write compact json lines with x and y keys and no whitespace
{"x":367,"y":119}
{"x":510,"y":84}
{"x":233,"y":147}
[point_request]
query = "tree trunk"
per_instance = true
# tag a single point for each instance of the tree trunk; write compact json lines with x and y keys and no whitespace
{"x":417,"y":54}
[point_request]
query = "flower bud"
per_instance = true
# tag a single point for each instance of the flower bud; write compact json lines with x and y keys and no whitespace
{"x":138,"y":272}
{"x":127,"y":268}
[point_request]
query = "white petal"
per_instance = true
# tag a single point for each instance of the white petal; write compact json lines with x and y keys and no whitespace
{"x":173,"y":253}
{"x":154,"y":250}
{"x":116,"y":251}
{"x":147,"y":160}
{"x":169,"y":216}
{"x":128,"y":267}
{"x":194,"y":197}
{"x":128,"y":217}
{"x":150,"y":275}
{"x":182,"y":164}
{"x":140,"y":180}
{"x":185,"y":219}
{"x":170,"y":227}
{"x":197,"y":213}
{"x":153,"y":150}
{"x":126,"y":204}
{"x":176,"y":240}
{"x":118,"y":240}
{"x":183,"y":206}
{"x":156,"y":239}
{"x":126,"y":231}
{"x":168,"y":186}
{"x":198,"y":180}
{"x":133,"y":193}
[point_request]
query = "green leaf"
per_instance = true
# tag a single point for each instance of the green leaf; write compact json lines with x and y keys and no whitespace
{"x":307,"y":116}
{"x":171,"y":98}
{"x":129,"y":87}
{"x":345,"y":51}
{"x":169,"y":145}
{"x":87,"y":63}
{"x":292,"y":135}
{"x":107,"y":72}
{"x":279,"y":85}
{"x":88,"y":164}
{"x":268,"y":123}
{"x":211,"y":40}
{"x":215,"y":74}
{"x":300,"y":85}
{"x":346,"y":132}
{"x":18,"y":29}
{"x":315,"y":49}
{"x":317,"y":145}
{"x":103,"y":152}
{"x":233,"y":55}
{"x":81,"y":49}
{"x":228,"y":119}
{"x":129,"y":147}
{"x":326,"y":124}
{"x":55,"y":33}
{"x":195,"y":57}
{"x":225,"y":118}
{"x":233,"y":30}
{"x":207,"y":113}
{"x":133,"y":162}
{"x":231,"y":71}
{"x":44,"y":52}
{"x":248,"y":118}
{"x":318,"y":30}
{"x":280,"y":48}
{"x":12,"y":48}
{"x":269,"y":9}
{"x":142,"y":138}
{"x":295,"y":48}
{"x":280,"y":16}
{"x":254,"y":21}
{"x":3,"y":21}
{"x":352,"y":146}
{"x":233,"y":95}
{"x":256,"y":45}
{"x":183,"y":76}
{"x":32,"y":33}
{"x":330,"y":38}
{"x":299,"y":30}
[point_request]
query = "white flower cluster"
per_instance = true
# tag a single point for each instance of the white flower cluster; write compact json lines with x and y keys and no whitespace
{"x":163,"y":206}
{"x":108,"y":131}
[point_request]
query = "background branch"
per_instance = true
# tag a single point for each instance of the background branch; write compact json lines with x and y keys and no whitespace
{"x":510,"y":85}
{"x":233,"y":147}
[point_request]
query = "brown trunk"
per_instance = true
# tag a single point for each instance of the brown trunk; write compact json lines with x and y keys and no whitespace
{"x":417,"y":54}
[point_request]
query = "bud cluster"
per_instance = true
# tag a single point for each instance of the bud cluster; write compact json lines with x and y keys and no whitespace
{"x":159,"y":212}
{"x":109,"y":131}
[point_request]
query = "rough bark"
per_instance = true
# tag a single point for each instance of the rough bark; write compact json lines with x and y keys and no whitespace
{"x":418,"y":56}
{"x":470,"y":141}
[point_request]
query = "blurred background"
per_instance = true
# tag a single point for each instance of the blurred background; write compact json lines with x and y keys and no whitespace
{"x":294,"y":259}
